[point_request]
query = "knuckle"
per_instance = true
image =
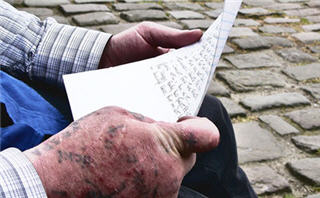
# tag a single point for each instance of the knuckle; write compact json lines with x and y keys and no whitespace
{"x":145,"y":26}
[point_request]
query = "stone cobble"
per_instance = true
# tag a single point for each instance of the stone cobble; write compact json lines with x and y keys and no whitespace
{"x":255,"y":60}
{"x":264,"y":180}
{"x":307,"y":143}
{"x":305,"y":168}
{"x":305,"y":72}
{"x":264,"y":147}
{"x":258,"y":102}
{"x":278,"y":124}
{"x":268,"y":77}
{"x":247,"y":80}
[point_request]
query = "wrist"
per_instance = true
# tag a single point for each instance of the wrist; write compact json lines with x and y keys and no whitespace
{"x":54,"y":177}
{"x":106,"y":60}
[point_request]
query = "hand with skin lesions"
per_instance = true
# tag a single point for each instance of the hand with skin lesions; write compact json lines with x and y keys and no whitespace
{"x":145,"y":40}
{"x":116,"y":153}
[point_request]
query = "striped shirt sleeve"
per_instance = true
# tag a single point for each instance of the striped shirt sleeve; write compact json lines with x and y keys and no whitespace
{"x":45,"y":50}
{"x":18,"y":177}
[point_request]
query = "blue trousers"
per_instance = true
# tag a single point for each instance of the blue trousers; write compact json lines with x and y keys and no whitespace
{"x":217,"y":173}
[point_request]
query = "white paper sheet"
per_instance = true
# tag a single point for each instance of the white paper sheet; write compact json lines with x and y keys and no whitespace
{"x":138,"y":86}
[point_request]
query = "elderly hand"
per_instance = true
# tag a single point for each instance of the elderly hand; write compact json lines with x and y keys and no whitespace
{"x":116,"y":153}
{"x":145,"y":40}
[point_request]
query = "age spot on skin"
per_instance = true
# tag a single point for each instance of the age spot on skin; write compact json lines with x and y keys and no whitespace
{"x":137,"y":116}
{"x":131,"y":159}
{"x":114,"y":129}
{"x":155,"y":191}
{"x":58,"y":194}
{"x":66,"y":134}
{"x":75,"y":126}
{"x":82,"y":160}
{"x":108,"y":144}
{"x":191,"y":140}
{"x":47,"y":146}
{"x":36,"y":152}
{"x":55,"y":141}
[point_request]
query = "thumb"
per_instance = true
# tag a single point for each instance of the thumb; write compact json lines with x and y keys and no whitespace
{"x":197,"y":135}
{"x":166,"y":37}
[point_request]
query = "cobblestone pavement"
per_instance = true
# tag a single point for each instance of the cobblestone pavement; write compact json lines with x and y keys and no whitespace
{"x":268,"y":78}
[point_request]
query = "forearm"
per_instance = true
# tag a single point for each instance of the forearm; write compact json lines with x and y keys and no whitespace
{"x":45,"y":50}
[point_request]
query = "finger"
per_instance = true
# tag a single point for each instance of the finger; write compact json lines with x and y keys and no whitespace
{"x":188,"y":162}
{"x":197,"y":135}
{"x":166,"y":37}
{"x":186,"y":117}
{"x":162,"y":50}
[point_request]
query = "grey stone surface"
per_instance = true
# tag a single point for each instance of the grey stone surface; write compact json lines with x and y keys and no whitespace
{"x":214,"y":13}
{"x":253,"y":42}
{"x":266,"y":58}
{"x":135,"y":1}
{"x":278,"y":41}
{"x":276,"y":29}
{"x":312,"y":27}
{"x":261,"y":42}
{"x":182,"y":6}
{"x":40,"y":12}
{"x":214,"y":5}
{"x":232,"y":107}
{"x":170,"y":24}
{"x":217,"y":89}
{"x":246,"y":22}
{"x":295,"y":56}
{"x":307,"y":143}
{"x":283,"y":6}
{"x":186,"y":14}
{"x":227,"y":49}
{"x":255,"y":143}
{"x":192,"y":24}
{"x":306,"y":72}
{"x":246,"y":80}
{"x":264,"y":180}
{"x":314,"y":49}
{"x":138,"y":15}
{"x":257,"y":103}
{"x":278,"y":124}
{"x":314,"y":196}
{"x":223,"y":65}
{"x":308,"y":169}
{"x":135,"y":6}
{"x":313,"y":89}
{"x":93,"y":1}
{"x":59,"y":19}
{"x":258,"y":3}
{"x":45,"y":3}
{"x":115,"y":29}
{"x":307,"y":37}
{"x":14,"y":2}
{"x":302,"y":12}
{"x":272,"y":20}
{"x":95,"y":18}
{"x":306,"y":118}
{"x":314,"y":3}
{"x":83,"y":8}
{"x":289,"y":1}
{"x":313,"y":19}
{"x":254,"y":12}
{"x":241,"y":32}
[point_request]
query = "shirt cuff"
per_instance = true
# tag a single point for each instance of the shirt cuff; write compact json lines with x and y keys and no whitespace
{"x":67,"y":49}
{"x":18,"y":177}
